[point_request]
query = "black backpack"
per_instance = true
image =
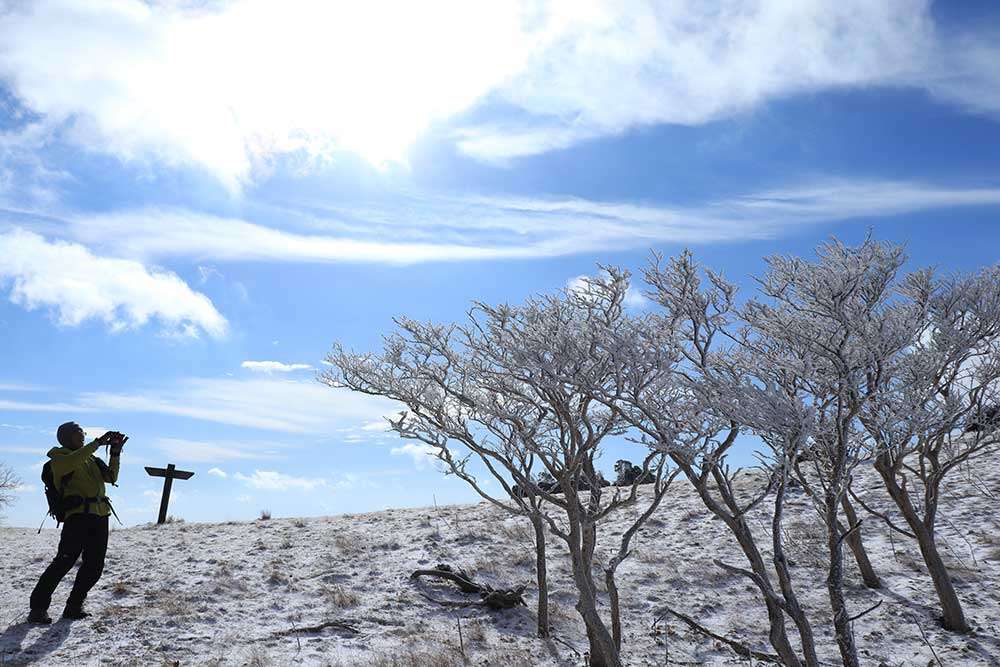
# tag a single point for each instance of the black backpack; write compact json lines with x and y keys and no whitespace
{"x":53,"y":494}
{"x":56,"y":496}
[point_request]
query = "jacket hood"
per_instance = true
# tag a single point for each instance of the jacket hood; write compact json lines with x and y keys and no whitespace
{"x":59,"y":451}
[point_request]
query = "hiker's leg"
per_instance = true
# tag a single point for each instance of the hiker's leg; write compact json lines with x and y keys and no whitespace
{"x":70,"y":545}
{"x":95,"y":547}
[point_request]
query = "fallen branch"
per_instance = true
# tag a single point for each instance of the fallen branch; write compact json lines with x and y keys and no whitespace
{"x":339,"y":625}
{"x":566,"y":644}
{"x":739,"y":648}
{"x":503,"y":598}
{"x":448,"y":603}
{"x":923,"y":636}
{"x":865,"y":612}
{"x":460,"y":578}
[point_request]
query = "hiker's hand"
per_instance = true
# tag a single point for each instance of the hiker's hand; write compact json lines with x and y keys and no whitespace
{"x":117,"y":441}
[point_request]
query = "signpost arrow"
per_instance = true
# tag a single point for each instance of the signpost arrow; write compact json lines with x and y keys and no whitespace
{"x":170,"y":473}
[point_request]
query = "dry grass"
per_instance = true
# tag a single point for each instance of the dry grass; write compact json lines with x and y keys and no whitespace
{"x":805,"y":542}
{"x":523,"y":558}
{"x":517,"y":531}
{"x":277,"y":576}
{"x":348,"y":543}
{"x":120,"y":588}
{"x":474,"y":630}
{"x":339,"y":597}
{"x":411,"y":654}
{"x":257,"y":656}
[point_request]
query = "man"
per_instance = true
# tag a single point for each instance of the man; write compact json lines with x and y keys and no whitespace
{"x":81,"y":477}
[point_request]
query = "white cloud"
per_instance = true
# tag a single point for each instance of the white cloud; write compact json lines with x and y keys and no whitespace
{"x":149,"y":81}
{"x":25,"y":406}
{"x":425,"y":228}
{"x":421,"y":453}
{"x":610,"y":66}
{"x":269,"y":480}
{"x":212,"y":452}
{"x":261,"y":403}
{"x":269,"y":367}
{"x":78,"y":285}
{"x":244,"y":498}
{"x":218,"y":472}
{"x":15,"y":386}
{"x":13,"y":449}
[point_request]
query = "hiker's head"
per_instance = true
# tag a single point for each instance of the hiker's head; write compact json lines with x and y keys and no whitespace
{"x":70,"y":435}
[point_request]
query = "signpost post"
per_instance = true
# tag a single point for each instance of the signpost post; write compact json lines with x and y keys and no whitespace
{"x":170,"y":473}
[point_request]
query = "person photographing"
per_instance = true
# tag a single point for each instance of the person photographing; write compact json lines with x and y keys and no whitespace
{"x":76,"y":484}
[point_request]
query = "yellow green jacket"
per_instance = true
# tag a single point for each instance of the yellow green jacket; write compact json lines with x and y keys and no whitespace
{"x":87,"y":480}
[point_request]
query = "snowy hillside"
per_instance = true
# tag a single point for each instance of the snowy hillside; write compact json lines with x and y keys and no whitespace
{"x":246,"y":593}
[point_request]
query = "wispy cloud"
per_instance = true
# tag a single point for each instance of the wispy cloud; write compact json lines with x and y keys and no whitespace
{"x":77,"y":285}
{"x":29,"y":406}
{"x":269,"y":367}
{"x":614,"y":66}
{"x":341,"y":77}
{"x":11,"y":449}
{"x":16,"y":386}
{"x":421,"y":454}
{"x":261,"y":403}
{"x":218,"y":472}
{"x":438,"y":228}
{"x":270,"y":480}
{"x":196,"y":451}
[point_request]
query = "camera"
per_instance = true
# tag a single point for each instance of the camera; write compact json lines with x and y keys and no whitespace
{"x":115,"y":440}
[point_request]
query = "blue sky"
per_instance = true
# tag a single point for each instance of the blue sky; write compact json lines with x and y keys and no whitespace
{"x":189,"y":190}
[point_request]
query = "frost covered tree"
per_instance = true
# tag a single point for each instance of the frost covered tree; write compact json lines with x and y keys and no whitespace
{"x":673,"y":365}
{"x":9,"y":481}
{"x":936,"y":409}
{"x":501,"y":392}
{"x":421,"y":368}
{"x":827,"y":335}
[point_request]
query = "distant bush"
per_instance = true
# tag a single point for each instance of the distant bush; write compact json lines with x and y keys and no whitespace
{"x":8,"y":482}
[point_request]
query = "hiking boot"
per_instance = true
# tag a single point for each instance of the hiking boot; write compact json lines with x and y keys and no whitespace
{"x":75,"y":613}
{"x":39,"y":616}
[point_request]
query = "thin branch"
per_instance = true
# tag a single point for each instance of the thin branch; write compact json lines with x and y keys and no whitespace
{"x":739,"y":648}
{"x":866,"y":611}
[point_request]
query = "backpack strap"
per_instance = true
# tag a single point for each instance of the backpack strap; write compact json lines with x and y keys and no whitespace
{"x":105,"y":470}
{"x":112,"y":508}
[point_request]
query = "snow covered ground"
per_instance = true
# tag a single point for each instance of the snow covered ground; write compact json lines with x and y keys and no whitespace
{"x":235,"y":593}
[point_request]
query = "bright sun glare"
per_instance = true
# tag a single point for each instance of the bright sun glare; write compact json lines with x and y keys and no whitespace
{"x":261,"y":77}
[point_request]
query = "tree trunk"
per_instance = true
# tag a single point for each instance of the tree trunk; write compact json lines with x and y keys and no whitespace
{"x":602,"y":647}
{"x":616,"y":618}
{"x":603,"y":652}
{"x":792,"y":606}
{"x":857,"y":546}
{"x":835,"y":585}
{"x":744,"y":537}
{"x":541,"y":576}
{"x":952,"y":615}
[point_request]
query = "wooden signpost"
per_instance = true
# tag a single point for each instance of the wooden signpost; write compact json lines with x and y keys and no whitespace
{"x":170,"y":473}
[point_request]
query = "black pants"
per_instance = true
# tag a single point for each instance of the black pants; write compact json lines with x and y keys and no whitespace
{"x":85,"y":534}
